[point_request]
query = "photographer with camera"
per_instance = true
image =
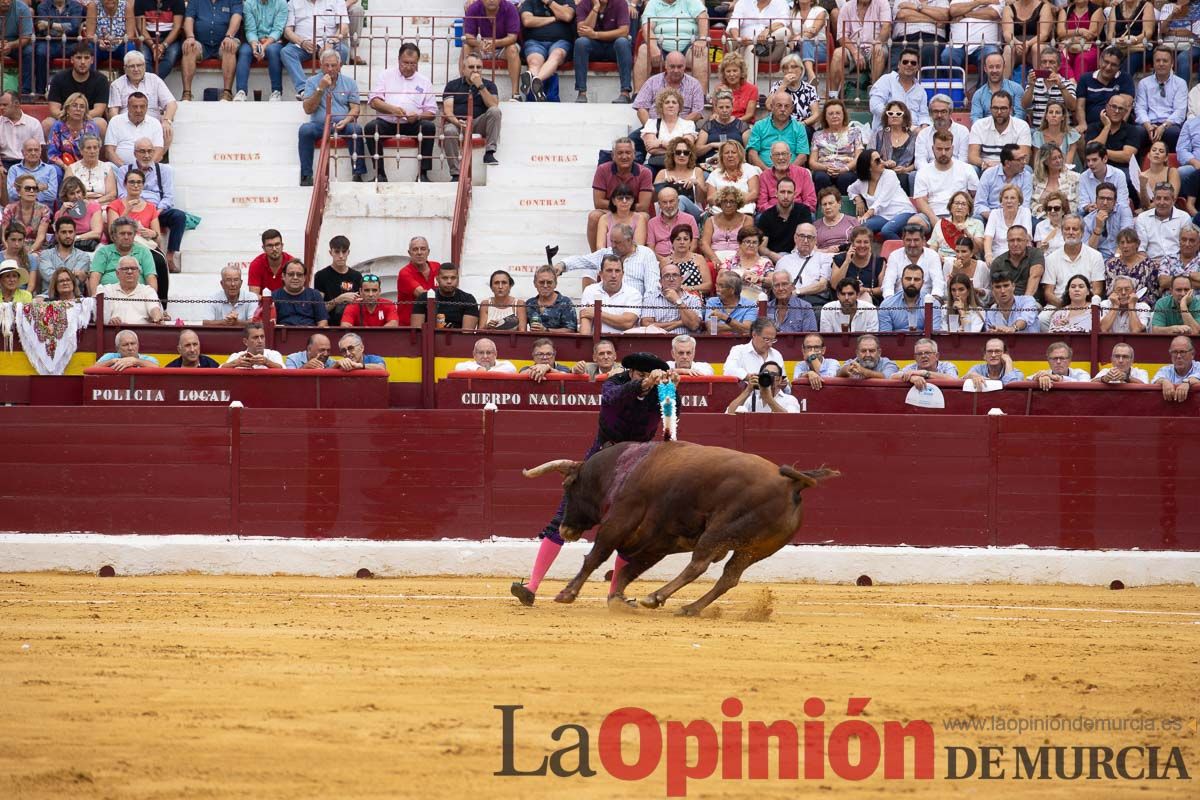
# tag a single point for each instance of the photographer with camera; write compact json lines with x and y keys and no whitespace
{"x":765,"y":393}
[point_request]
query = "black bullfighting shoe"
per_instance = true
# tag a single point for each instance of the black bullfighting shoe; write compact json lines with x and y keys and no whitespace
{"x":523,"y":594}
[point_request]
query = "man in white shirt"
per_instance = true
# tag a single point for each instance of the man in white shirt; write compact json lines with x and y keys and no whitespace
{"x":772,"y":399}
{"x":332,"y":30}
{"x":747,"y":359}
{"x":808,"y":267}
{"x":683,"y":352}
{"x":128,"y":301}
{"x":913,"y":252}
{"x":161,"y":103}
{"x":623,"y":301}
{"x":1058,"y":357}
{"x":483,"y":359}
{"x":638,"y":261}
{"x":234,"y":304}
{"x":938,"y":180}
{"x":974,"y":33}
{"x":256,"y":355}
{"x":1073,"y":258}
{"x":1121,"y":311}
{"x":940,"y":108}
{"x":125,"y":129}
{"x":851,"y":313}
{"x":990,"y":134}
{"x":1159,"y":227}
{"x":919,"y":24}
{"x":1121,"y":369}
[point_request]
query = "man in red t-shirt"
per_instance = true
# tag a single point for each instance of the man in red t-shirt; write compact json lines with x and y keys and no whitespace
{"x":372,"y":311}
{"x":266,"y":270}
{"x":415,"y":278}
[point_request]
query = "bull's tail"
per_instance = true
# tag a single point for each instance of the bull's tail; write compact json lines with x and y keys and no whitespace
{"x":808,"y":478}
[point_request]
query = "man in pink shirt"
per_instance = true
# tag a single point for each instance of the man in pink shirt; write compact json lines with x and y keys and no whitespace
{"x":405,"y":102}
{"x":658,"y":229}
{"x":782,"y":167}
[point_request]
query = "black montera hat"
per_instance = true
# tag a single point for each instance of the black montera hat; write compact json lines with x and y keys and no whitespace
{"x":644,"y":362}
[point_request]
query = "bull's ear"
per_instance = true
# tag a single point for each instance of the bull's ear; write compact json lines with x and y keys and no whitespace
{"x":571,"y":474}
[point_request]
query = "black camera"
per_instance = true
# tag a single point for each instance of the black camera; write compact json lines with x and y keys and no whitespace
{"x":766,"y":378}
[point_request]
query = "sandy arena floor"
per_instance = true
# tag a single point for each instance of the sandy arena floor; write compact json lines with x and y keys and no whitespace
{"x":195,"y":686}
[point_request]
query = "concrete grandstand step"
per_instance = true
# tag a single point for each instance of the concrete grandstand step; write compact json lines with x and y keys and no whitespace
{"x":578,"y":114}
{"x":250,"y":175}
{"x":277,"y":199}
{"x":563,"y":176}
{"x":525,"y":198}
{"x":529,"y":246}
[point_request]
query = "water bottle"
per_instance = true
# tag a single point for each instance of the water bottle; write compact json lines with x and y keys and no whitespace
{"x":712,"y":324}
{"x":458,"y":32}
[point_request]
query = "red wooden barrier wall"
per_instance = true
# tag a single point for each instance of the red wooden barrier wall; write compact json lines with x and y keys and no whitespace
{"x":389,"y":474}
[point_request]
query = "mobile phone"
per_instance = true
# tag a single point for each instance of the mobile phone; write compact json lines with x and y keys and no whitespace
{"x":1041,"y":73}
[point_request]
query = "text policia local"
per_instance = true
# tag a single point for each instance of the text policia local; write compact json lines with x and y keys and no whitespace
{"x":851,"y":750}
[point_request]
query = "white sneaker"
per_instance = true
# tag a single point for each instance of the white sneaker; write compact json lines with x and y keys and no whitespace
{"x":240,"y":97}
{"x":275,"y":97}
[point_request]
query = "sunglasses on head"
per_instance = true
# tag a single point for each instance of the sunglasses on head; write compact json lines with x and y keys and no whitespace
{"x":370,"y":279}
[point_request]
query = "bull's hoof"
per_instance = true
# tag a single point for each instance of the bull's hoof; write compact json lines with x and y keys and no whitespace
{"x":565,"y":596}
{"x":687,"y":611}
{"x":522,"y":593}
{"x":650,"y":601}
{"x":621,"y":605}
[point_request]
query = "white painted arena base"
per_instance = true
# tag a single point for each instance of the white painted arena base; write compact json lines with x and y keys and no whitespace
{"x":511,"y":558}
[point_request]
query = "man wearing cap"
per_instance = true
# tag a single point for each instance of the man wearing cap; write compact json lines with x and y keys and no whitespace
{"x":629,"y":412}
{"x":12,"y":277}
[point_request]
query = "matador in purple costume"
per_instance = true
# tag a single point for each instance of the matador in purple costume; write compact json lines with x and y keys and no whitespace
{"x":629,"y":412}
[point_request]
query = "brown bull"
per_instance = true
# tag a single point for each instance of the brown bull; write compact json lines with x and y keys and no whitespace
{"x":655,"y":499}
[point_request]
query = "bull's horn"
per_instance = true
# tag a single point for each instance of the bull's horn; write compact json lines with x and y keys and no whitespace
{"x":561,"y":465}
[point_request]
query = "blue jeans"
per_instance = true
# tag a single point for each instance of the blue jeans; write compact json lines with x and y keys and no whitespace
{"x":176,"y":221}
{"x":1184,"y":60}
{"x":112,"y":58}
{"x":310,"y":134}
{"x":293,"y":55}
{"x":889,"y":228}
{"x":957,"y":56}
{"x":619,"y":50}
{"x":815,"y":50}
{"x":241,"y":74}
{"x":1189,"y":180}
{"x":35,"y":64}
{"x":543,"y":48}
{"x":1136,"y":61}
{"x":170,"y":58}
